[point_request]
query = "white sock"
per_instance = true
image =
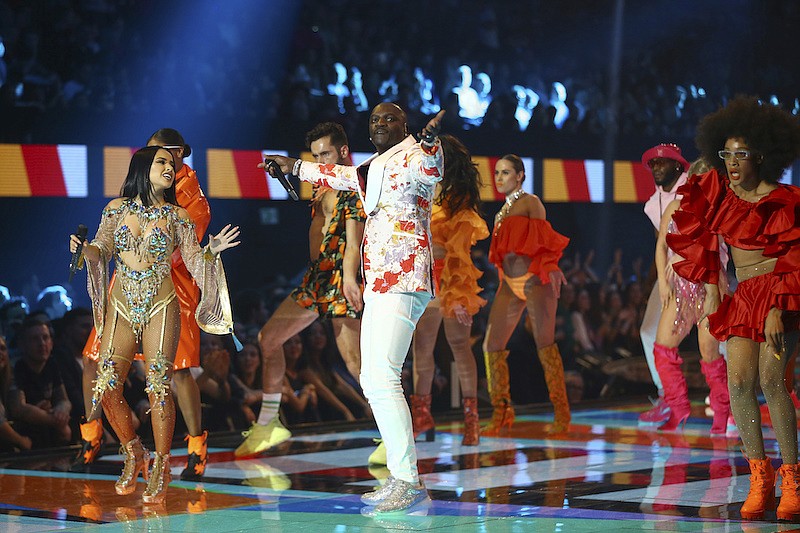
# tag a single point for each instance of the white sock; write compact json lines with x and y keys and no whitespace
{"x":270,"y":403}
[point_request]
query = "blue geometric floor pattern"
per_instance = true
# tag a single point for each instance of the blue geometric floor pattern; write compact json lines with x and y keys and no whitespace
{"x":605,"y":474}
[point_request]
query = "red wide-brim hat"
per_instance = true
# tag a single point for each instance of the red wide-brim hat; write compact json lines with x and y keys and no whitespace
{"x":668,"y":151}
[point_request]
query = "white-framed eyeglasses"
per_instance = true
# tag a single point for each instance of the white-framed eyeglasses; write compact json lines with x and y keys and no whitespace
{"x":740,"y":155}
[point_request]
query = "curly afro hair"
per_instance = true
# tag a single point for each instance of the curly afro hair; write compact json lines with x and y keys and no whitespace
{"x":767,"y":129}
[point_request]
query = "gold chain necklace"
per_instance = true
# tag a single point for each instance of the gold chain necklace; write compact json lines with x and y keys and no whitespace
{"x":506,"y":209}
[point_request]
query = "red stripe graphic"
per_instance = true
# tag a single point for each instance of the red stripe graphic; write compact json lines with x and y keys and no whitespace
{"x":642,"y":181}
{"x":252,"y":181}
{"x":575,"y":176}
{"x":45,"y":174}
{"x":490,"y":178}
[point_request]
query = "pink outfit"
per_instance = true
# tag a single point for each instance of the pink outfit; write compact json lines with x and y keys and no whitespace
{"x":655,"y":205}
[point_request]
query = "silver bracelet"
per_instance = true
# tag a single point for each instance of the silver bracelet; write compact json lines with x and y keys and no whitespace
{"x":296,"y":167}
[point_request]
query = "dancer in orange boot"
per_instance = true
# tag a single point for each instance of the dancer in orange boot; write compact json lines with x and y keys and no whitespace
{"x":681,"y":309}
{"x":526,"y":251}
{"x":749,"y":144}
{"x":455,"y":227}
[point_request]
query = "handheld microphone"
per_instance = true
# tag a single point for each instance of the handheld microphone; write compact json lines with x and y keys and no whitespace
{"x":275,"y":171}
{"x":75,"y":264}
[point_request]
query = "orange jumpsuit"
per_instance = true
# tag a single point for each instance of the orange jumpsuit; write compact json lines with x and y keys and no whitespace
{"x":190,"y":196}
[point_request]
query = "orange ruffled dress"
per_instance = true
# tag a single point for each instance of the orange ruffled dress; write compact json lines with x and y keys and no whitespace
{"x":531,"y":237}
{"x":190,"y":196}
{"x":455,"y":276}
{"x":709,"y":208}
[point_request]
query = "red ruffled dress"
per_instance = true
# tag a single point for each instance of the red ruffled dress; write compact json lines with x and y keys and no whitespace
{"x":531,"y":237}
{"x":709,"y":207}
{"x":456,"y":277}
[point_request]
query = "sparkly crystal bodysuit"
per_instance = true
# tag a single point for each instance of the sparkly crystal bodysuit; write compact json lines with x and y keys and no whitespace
{"x":141,"y":240}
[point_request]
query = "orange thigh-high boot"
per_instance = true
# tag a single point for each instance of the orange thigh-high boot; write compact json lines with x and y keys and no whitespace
{"x":550,"y":358}
{"x":716,"y":374}
{"x":676,"y":393}
{"x":499,"y":392}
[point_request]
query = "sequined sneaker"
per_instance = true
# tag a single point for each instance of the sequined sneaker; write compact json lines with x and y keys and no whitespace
{"x":379,"y":494}
{"x":259,"y":438}
{"x":403,"y":497}
{"x":658,"y":414}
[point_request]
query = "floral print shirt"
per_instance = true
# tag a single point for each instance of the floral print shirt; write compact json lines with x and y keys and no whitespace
{"x":396,"y":249}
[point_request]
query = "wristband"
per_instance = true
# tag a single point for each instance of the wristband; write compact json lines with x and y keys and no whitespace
{"x":296,"y":167}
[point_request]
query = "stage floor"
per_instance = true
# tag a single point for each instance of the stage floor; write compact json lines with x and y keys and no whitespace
{"x":606,"y":474}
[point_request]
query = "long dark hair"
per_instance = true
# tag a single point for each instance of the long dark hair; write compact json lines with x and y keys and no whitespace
{"x":461,"y":183}
{"x":137,"y":182}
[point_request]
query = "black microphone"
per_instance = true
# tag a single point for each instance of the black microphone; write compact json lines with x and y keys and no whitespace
{"x":275,"y":171}
{"x":76,"y":263}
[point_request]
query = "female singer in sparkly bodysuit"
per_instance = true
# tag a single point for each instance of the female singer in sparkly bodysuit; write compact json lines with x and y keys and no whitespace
{"x":140,"y":231}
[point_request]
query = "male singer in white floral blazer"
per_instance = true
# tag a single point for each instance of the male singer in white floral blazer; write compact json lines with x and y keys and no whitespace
{"x":396,"y":186}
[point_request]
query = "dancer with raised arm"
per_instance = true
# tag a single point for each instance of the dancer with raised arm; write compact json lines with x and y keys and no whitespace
{"x":397,"y":187}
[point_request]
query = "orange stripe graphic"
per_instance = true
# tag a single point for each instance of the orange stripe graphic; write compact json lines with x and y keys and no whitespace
{"x":554,"y":181}
{"x":13,"y":176}
{"x":222,"y":179}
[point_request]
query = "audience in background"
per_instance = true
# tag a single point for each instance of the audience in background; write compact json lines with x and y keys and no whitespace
{"x":68,"y":61}
{"x":10,"y":439}
{"x":299,"y":400}
{"x":246,"y":385}
{"x":72,"y":331}
{"x":37,"y":399}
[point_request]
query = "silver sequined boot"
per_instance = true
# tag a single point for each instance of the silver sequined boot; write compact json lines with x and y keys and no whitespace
{"x":381,"y":493}
{"x":404,"y":496}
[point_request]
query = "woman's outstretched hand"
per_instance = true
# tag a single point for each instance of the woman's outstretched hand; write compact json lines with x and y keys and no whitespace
{"x":225,"y":239}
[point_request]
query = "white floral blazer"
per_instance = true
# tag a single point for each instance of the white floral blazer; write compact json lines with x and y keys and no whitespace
{"x":396,"y":250}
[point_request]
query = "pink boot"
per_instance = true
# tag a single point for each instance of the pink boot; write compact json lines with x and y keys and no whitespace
{"x":676,"y":393}
{"x":716,"y":373}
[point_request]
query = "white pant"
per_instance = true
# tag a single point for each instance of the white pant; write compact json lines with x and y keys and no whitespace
{"x":387,"y":327}
{"x":648,"y":331}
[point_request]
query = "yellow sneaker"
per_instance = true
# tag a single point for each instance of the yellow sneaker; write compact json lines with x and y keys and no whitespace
{"x":378,"y":457}
{"x":259,"y":438}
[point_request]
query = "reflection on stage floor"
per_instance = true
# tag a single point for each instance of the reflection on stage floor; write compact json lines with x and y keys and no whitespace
{"x":606,"y":474}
